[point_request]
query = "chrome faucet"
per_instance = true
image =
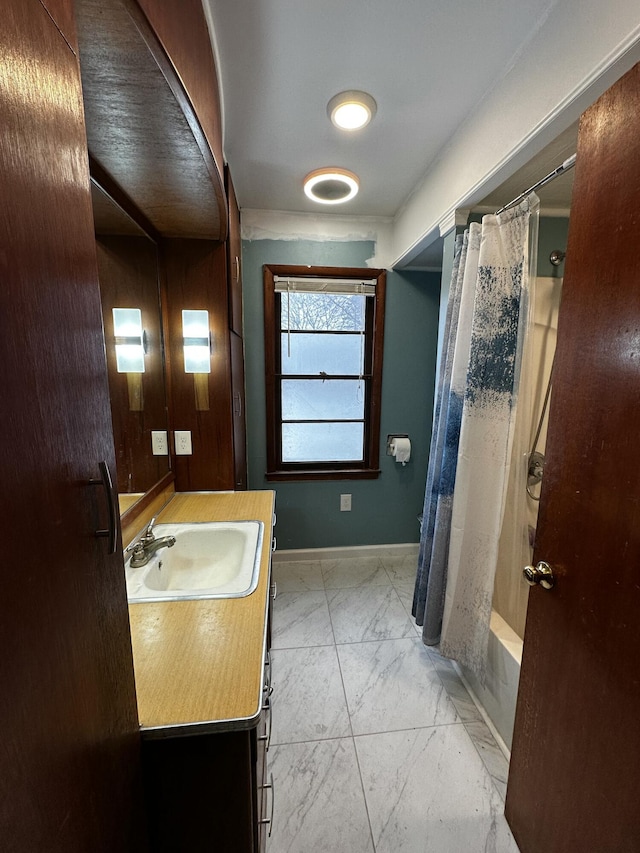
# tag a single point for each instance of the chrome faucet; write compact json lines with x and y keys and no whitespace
{"x":147,"y":545}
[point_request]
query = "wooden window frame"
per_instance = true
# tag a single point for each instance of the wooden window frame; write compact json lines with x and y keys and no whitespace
{"x":368,"y":469}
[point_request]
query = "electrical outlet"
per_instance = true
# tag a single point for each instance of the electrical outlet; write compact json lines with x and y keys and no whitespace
{"x":345,"y":503}
{"x":182,"y":438}
{"x":159,"y":443}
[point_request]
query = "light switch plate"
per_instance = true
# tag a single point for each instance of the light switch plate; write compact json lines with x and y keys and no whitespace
{"x":159,"y":443}
{"x":345,"y":503}
{"x":182,"y":438}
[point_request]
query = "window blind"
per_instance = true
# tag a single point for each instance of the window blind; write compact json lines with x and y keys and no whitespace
{"x":357,"y":287}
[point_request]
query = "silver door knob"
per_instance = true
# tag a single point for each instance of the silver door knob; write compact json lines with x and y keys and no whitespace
{"x":540,"y":574}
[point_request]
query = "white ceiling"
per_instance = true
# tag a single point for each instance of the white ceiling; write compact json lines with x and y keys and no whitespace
{"x":555,"y":197}
{"x":427,"y":63}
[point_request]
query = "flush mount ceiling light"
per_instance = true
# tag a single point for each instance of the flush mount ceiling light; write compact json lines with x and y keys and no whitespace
{"x":331,"y":185}
{"x":351,"y":110}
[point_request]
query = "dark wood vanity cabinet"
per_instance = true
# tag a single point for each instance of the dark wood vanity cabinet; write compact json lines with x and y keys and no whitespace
{"x":210,"y":792}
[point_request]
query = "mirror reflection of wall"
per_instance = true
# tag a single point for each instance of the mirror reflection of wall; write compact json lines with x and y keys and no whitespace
{"x":128,"y":272}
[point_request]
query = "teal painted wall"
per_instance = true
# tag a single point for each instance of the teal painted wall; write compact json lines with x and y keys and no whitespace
{"x":552,"y":234}
{"x":384,"y":511}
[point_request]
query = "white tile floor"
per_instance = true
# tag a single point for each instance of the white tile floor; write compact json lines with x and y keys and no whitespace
{"x":376,"y":745}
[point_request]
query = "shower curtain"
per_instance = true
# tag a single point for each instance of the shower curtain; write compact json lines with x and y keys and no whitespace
{"x":443,"y":456}
{"x":487,"y":320}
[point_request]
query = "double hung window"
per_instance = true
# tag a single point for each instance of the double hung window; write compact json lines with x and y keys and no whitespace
{"x":323,"y":347}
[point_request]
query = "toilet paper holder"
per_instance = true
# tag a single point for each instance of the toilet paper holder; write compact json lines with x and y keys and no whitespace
{"x":390,"y":438}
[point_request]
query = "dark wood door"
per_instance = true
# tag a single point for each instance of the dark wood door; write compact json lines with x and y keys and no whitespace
{"x":575,"y":765}
{"x":69,"y":743}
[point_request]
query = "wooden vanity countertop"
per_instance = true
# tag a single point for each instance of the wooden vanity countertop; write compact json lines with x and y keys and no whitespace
{"x":199,"y":664}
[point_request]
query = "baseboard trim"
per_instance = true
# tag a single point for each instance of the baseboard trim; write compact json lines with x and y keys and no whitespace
{"x":407,"y":549}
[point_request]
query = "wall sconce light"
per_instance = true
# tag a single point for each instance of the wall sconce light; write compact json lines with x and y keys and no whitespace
{"x":130,"y":340}
{"x":197,"y":341}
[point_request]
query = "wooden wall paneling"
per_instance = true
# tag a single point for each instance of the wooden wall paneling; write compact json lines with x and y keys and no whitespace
{"x":239,"y":417}
{"x":182,"y":29}
{"x":234,"y":258}
{"x":69,"y":749}
{"x":128,"y":270}
{"x":61,"y":12}
{"x":196,"y":279}
{"x":141,"y":126}
{"x":113,"y":210}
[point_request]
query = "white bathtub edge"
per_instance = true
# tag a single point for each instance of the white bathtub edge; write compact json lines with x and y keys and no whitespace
{"x":496,"y":698}
{"x":483,"y":713}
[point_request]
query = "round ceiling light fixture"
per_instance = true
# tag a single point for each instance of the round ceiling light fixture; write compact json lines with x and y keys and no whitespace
{"x":351,"y":110}
{"x":331,"y":185}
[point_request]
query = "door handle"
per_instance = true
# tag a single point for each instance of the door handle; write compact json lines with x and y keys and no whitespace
{"x":541,"y":575}
{"x":112,"y":531}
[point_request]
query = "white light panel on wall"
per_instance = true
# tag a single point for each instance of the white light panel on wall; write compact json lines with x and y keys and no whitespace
{"x":197,"y":341}
{"x":129,"y":339}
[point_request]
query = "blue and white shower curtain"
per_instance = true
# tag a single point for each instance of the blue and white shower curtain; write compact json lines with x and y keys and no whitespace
{"x":487,"y":319}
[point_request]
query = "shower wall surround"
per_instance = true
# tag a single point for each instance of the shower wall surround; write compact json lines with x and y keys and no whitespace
{"x":511,"y":592}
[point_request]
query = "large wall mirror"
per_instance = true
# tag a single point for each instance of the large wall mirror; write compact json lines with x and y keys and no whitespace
{"x":128,"y":270}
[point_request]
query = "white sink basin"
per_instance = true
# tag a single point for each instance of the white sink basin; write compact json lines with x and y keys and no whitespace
{"x":216,"y":559}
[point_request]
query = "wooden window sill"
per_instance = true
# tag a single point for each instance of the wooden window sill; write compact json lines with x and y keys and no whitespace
{"x":332,"y":474}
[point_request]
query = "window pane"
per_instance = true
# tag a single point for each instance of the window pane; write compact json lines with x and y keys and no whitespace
{"x":326,"y":312}
{"x":315,"y":399}
{"x":329,"y":442}
{"x":331,"y":353}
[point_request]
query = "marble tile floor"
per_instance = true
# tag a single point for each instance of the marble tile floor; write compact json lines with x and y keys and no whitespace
{"x":376,"y":746}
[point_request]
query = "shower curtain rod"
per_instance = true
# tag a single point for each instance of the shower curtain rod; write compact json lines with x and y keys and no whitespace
{"x":569,"y":163}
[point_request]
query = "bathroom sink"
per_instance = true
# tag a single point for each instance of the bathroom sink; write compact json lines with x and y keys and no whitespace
{"x":218,"y":559}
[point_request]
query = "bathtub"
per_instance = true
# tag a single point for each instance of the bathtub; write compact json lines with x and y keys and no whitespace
{"x":497,"y":697}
